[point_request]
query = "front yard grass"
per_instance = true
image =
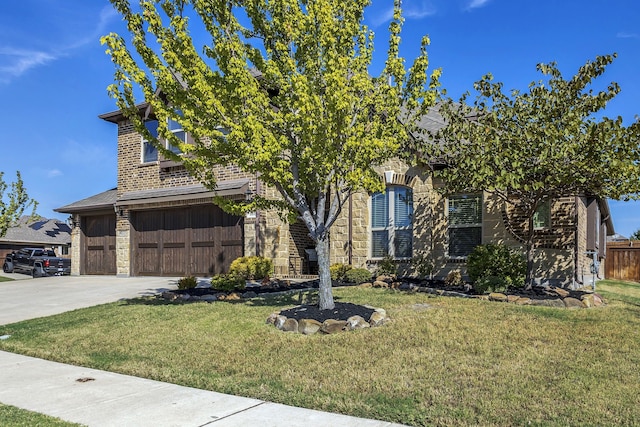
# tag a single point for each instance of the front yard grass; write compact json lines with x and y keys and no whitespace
{"x":16,"y":417}
{"x":441,"y":361}
{"x":5,"y":279}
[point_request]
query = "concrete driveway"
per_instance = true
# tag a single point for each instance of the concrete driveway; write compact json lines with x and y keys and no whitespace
{"x":28,"y":298}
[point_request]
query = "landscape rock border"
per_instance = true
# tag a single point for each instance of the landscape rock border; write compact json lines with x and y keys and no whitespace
{"x":330,"y":326}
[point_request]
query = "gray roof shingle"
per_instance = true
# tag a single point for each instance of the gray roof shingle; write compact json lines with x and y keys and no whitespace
{"x":102,"y":200}
{"x":42,"y":232}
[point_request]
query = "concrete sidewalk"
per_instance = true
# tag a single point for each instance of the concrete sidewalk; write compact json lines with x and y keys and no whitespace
{"x":99,"y":398}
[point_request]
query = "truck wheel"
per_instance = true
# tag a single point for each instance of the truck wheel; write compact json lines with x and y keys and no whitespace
{"x":35,"y":273}
{"x":6,"y":268}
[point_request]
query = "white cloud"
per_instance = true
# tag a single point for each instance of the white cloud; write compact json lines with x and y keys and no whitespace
{"x":475,"y":4}
{"x":623,"y":35}
{"x":15,"y":62}
{"x":410,"y":10}
{"x":54,"y":173}
{"x":107,"y":14}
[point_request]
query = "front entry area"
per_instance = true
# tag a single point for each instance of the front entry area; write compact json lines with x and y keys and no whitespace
{"x":198,"y":240}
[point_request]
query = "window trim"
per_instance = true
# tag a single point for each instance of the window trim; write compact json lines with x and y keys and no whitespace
{"x":390,"y":228}
{"x":479,"y":225}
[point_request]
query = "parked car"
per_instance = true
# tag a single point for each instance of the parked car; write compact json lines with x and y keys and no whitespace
{"x":37,"y":262}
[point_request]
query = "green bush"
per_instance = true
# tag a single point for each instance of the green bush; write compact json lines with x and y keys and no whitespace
{"x":454,"y":278}
{"x":496,"y":267}
{"x":423,"y":265}
{"x":490,"y":284}
{"x":338,"y":271}
{"x":251,"y":267}
{"x":227,"y":282}
{"x":387,"y":267}
{"x":188,"y":282}
{"x":358,"y":275}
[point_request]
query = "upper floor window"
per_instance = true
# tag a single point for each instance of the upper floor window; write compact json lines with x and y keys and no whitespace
{"x":392,"y":223}
{"x":542,"y":216}
{"x":464,"y":224}
{"x":149,"y":151}
{"x":176,"y":129}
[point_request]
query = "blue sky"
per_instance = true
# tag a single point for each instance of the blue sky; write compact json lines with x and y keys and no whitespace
{"x":54,"y":74}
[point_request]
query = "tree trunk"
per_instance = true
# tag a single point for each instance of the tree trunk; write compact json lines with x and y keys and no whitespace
{"x":325,"y":292}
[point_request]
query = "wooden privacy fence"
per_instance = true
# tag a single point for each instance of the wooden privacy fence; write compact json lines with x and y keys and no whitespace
{"x":623,"y":261}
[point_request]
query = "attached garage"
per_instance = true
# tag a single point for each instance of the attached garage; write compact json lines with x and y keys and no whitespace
{"x":100,"y":244}
{"x":199,"y":240}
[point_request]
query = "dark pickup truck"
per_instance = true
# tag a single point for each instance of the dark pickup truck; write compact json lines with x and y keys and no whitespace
{"x":36,"y":262}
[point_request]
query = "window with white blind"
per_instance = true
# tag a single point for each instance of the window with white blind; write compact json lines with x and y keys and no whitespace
{"x":392,"y":223}
{"x":465,"y":224}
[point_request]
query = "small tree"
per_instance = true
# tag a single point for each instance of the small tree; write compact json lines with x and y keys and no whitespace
{"x":532,"y":147}
{"x":281,"y":89}
{"x":14,"y":203}
{"x":635,"y":235}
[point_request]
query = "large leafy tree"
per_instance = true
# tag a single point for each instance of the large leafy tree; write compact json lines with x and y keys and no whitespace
{"x":279,"y":88}
{"x":13,"y":203}
{"x":534,"y":146}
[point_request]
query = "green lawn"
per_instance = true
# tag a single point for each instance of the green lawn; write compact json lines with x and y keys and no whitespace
{"x":441,"y":361}
{"x":5,"y":279}
{"x":16,"y":417}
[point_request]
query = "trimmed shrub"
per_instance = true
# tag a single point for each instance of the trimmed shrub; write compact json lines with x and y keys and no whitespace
{"x":188,"y":282}
{"x":227,"y":282}
{"x":496,"y":267}
{"x":490,"y":284}
{"x":339,"y":271}
{"x":387,"y":267}
{"x":454,"y":278}
{"x":251,"y":267}
{"x":423,"y":266}
{"x":358,"y":275}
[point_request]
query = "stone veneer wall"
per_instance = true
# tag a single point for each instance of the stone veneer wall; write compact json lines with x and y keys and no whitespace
{"x":76,"y":249}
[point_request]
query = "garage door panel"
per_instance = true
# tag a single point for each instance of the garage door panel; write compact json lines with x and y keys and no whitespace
{"x":100,"y":244}
{"x":197,"y":240}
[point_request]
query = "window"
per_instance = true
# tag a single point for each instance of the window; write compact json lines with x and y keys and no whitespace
{"x":149,"y":152}
{"x":542,"y":216}
{"x":465,"y":224}
{"x":392,"y":223}
{"x":176,"y":129}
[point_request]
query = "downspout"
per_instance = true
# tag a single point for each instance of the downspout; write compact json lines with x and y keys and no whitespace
{"x":257,"y":223}
{"x":350,"y":231}
{"x":575,"y":244}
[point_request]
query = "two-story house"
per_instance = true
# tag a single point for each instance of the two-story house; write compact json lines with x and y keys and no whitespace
{"x":161,"y":221}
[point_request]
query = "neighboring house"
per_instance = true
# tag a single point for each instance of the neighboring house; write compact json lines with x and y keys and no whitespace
{"x":161,"y":221}
{"x":40,"y":233}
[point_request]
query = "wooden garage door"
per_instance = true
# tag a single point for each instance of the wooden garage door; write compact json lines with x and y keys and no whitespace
{"x":199,"y":240}
{"x":100,"y":241}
